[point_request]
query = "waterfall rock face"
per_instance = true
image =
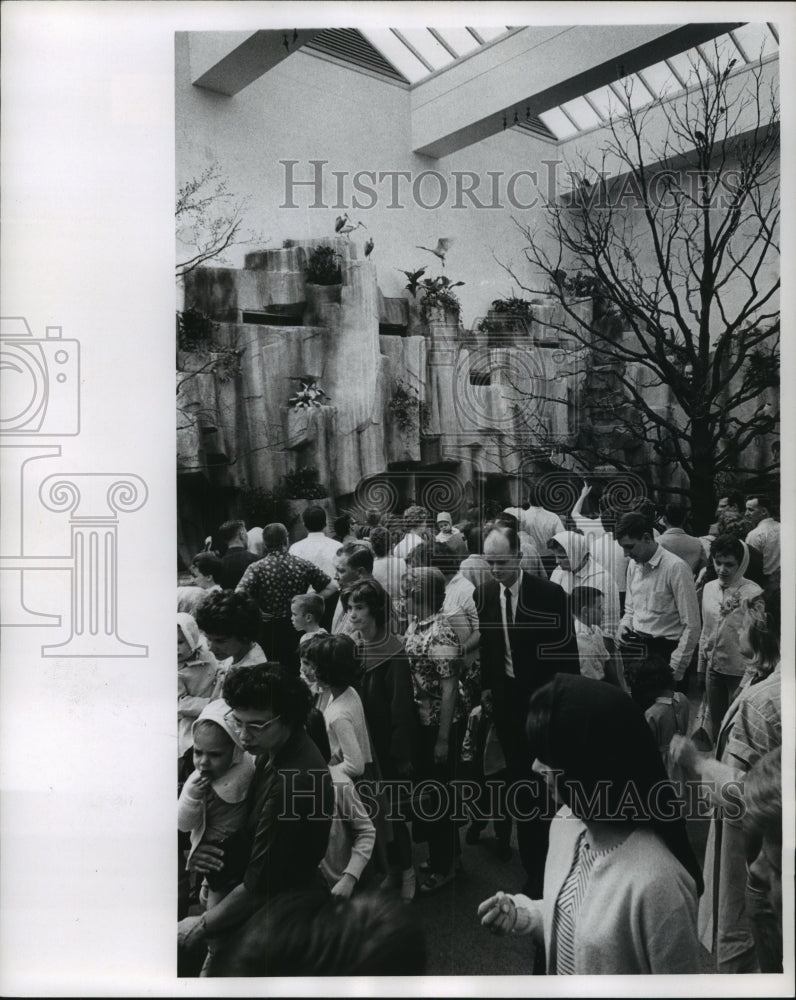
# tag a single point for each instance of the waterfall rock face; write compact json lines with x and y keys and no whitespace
{"x":422,"y":405}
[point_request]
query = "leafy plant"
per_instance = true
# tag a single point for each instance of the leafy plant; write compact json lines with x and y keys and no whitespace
{"x":196,"y":333}
{"x":303,"y":485}
{"x":261,"y":506}
{"x":513,"y":307}
{"x":195,"y":330}
{"x":438,"y":292}
{"x":310,"y":394}
{"x":404,"y":405}
{"x":323,"y":267}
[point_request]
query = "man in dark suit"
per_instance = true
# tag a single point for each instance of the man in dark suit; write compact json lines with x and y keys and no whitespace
{"x":527,"y":637}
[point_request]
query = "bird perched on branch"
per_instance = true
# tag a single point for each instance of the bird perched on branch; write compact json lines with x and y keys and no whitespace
{"x":441,"y":249}
{"x":369,"y":246}
{"x":414,"y":279}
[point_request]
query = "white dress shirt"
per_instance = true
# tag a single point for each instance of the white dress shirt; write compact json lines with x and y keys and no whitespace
{"x":662,"y":601}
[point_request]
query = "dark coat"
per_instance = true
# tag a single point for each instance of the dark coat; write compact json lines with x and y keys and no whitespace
{"x":388,"y":699}
{"x":543,"y":644}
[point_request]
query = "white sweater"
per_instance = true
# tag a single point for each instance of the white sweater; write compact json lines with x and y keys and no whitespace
{"x":638,"y":915}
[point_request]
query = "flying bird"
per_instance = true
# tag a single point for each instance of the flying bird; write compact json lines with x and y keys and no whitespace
{"x":441,"y":249}
{"x":369,"y":247}
{"x":414,"y":278}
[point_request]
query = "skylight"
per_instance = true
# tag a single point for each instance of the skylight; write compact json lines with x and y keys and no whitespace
{"x":419,"y":52}
{"x":745,"y":45}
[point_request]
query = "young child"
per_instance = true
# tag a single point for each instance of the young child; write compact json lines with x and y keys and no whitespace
{"x":306,"y":611}
{"x":587,"y":610}
{"x":198,"y":677}
{"x":667,"y":711}
{"x":332,"y":658}
{"x":212,"y":804}
{"x":352,"y":836}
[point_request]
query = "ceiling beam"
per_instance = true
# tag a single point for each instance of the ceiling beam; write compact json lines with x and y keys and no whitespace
{"x":536,"y":69}
{"x":227,"y":61}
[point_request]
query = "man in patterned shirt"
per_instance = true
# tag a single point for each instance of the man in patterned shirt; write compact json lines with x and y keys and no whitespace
{"x":273,"y":582}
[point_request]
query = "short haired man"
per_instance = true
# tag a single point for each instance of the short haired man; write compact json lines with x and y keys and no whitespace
{"x":527,"y":636}
{"x":237,"y":557}
{"x":317,"y":547}
{"x":353,"y":562}
{"x":273,"y":582}
{"x":661,"y":607}
{"x":762,"y":511}
{"x":677,"y":540}
{"x":205,"y":572}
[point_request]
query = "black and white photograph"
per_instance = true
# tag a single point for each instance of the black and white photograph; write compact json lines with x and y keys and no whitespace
{"x":481,"y":435}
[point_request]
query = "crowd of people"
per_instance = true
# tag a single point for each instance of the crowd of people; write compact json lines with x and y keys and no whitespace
{"x":348,"y":702}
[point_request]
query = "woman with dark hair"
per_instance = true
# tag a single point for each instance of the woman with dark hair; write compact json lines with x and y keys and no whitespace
{"x":335,"y":665}
{"x":721,"y":664}
{"x":621,"y":880}
{"x":751,"y":728}
{"x":231,"y":622}
{"x":288,"y":808}
{"x":388,"y":700}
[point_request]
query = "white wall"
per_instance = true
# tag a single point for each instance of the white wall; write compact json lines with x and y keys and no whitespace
{"x":308,"y":108}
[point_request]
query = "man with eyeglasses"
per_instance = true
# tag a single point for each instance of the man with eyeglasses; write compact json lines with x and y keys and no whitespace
{"x":288,"y":809}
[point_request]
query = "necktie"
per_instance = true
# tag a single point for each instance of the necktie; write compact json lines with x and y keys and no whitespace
{"x":509,"y":612}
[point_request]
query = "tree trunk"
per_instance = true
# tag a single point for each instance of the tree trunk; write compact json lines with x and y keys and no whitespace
{"x":703,"y":502}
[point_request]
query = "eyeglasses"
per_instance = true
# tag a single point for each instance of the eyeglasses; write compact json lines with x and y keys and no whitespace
{"x":255,"y":728}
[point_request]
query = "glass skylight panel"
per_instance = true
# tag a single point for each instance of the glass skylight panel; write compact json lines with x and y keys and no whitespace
{"x":634,"y":92}
{"x":582,"y":113}
{"x":719,"y":52}
{"x":683,"y":64}
{"x":428,"y":46}
{"x":489,"y":33}
{"x":459,"y":39}
{"x":661,"y":80}
{"x":394,"y":50}
{"x":606,"y":102}
{"x":756,"y":41}
{"x":558,"y":123}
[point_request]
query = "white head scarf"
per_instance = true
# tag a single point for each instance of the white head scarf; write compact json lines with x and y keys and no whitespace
{"x":576,"y":548}
{"x":234,"y":783}
{"x":187,"y":625}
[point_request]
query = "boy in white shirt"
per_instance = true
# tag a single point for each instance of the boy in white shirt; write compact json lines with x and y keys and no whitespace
{"x":587,"y":609}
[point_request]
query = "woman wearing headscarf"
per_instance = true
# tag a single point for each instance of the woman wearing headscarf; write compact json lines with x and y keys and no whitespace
{"x":721,"y":664}
{"x":750,"y":729}
{"x":621,"y":881}
{"x":576,"y":567}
